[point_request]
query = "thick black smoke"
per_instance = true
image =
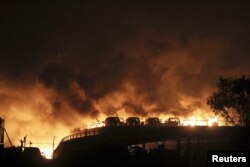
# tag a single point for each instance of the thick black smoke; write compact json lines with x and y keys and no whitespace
{"x":65,"y":81}
{"x":170,"y":53}
{"x":135,"y":109}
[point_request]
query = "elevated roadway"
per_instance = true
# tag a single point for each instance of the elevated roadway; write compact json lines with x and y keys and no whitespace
{"x":124,"y":135}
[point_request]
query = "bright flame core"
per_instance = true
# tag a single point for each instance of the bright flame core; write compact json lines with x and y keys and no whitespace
{"x":194,"y":121}
{"x":46,"y":152}
{"x":191,"y":121}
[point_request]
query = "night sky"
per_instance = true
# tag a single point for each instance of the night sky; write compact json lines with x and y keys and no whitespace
{"x":63,"y":62}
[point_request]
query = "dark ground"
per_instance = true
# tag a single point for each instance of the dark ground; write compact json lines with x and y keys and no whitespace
{"x":194,"y":156}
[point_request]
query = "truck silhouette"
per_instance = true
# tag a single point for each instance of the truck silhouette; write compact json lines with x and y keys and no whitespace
{"x":152,"y":121}
{"x":173,"y":121}
{"x":133,"y":121}
{"x":112,"y":121}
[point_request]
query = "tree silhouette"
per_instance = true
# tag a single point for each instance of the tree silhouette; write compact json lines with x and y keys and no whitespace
{"x":232,"y":99}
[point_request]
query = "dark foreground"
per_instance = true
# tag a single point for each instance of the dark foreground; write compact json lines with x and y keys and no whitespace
{"x":195,"y":155}
{"x":113,"y":157}
{"x":134,"y":146}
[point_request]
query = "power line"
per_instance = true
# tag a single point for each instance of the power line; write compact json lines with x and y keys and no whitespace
{"x":45,"y":143}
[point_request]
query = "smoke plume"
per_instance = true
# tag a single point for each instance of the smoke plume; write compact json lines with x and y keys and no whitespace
{"x":66,"y":65}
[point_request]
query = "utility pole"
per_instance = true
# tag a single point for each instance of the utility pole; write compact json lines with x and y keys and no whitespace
{"x":8,"y":137}
{"x":30,"y":143}
{"x":2,"y":131}
{"x":1,"y":135}
{"x":54,"y":143}
{"x":23,"y":142}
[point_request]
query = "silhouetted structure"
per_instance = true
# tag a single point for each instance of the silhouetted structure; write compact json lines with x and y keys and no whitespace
{"x":173,"y":121}
{"x":153,"y":121}
{"x":148,"y":145}
{"x":1,"y":135}
{"x":112,"y":121}
{"x":1,"y":139}
{"x":24,"y":157}
{"x":133,"y":121}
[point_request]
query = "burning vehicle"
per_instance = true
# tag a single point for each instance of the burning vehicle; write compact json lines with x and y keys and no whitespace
{"x":133,"y":121}
{"x":173,"y":121}
{"x":152,"y":121}
{"x":112,"y":121}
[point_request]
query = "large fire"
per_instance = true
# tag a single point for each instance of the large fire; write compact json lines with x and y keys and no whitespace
{"x":190,"y":121}
{"x":38,"y":119}
{"x":194,"y":121}
{"x":66,"y":75}
{"x":47,"y":150}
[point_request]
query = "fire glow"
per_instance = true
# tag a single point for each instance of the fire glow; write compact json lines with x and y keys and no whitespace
{"x":191,"y":121}
{"x":47,"y":152}
{"x":43,"y":117}
{"x":194,"y":121}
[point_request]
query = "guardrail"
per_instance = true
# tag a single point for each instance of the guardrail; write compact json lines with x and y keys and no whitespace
{"x":96,"y":131}
{"x":82,"y":133}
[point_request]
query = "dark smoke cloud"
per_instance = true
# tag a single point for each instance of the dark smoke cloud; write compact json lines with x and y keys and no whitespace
{"x":86,"y":52}
{"x":135,"y":109}
{"x":65,"y":82}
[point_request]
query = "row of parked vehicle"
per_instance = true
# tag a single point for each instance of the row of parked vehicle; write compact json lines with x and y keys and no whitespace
{"x":135,"y":121}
